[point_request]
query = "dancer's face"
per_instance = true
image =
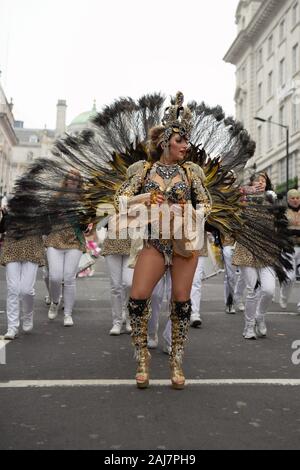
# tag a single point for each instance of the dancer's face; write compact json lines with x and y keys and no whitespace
{"x":260,"y":183}
{"x":294,"y":201}
{"x":177,"y":148}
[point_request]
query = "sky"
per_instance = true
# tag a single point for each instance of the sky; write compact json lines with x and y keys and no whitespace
{"x":81,"y":50}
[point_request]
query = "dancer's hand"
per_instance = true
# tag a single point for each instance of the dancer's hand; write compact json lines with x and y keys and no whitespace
{"x":258,"y":186}
{"x":157,"y":198}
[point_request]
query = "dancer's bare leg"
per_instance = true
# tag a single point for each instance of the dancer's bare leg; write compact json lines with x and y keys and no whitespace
{"x":182,"y":274}
{"x":149,"y":268}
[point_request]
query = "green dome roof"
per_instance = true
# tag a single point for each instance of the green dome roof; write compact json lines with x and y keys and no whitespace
{"x":84,"y":118}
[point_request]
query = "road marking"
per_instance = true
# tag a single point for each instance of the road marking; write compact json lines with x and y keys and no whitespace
{"x":116,"y":382}
{"x":221,"y":312}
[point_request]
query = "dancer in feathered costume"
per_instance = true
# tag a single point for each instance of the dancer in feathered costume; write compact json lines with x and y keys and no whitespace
{"x":190,"y":159}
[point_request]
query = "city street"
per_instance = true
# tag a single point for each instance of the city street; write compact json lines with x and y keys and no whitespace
{"x":73,"y":388}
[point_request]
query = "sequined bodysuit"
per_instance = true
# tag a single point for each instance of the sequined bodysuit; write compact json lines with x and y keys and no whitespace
{"x":170,"y":181}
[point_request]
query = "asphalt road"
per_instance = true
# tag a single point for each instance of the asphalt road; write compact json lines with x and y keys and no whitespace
{"x":72,"y":388}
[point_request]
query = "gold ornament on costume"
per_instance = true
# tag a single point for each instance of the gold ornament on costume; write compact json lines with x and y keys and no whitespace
{"x":177,"y":119}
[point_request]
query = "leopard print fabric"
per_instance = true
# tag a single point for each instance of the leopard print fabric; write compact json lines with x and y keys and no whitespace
{"x":29,"y":249}
{"x":64,"y":239}
{"x":116,"y":247}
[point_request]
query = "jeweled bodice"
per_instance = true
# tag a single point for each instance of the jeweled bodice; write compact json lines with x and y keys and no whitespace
{"x":169,"y":180}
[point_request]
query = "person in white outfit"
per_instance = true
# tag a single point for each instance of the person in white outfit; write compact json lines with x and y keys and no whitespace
{"x":239,"y":291}
{"x":162,"y":288}
{"x":65,"y":246}
{"x":260,"y":279}
{"x":22,"y":258}
{"x":196,"y":292}
{"x":116,"y":253}
{"x":229,"y":273}
{"x":293,"y":216}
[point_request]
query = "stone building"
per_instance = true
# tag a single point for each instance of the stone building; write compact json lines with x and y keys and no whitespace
{"x":266,"y":54}
{"x":8,"y":140}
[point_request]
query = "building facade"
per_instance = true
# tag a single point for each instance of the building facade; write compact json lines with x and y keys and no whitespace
{"x":8,"y":139}
{"x":266,"y":54}
{"x":20,"y":145}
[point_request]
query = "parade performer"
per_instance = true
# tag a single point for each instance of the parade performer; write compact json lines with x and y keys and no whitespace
{"x":22,"y":257}
{"x":258,"y":274}
{"x":293,"y":216}
{"x":181,"y":162}
{"x":65,"y":245}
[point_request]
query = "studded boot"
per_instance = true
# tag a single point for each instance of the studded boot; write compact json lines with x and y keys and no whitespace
{"x":180,"y":318}
{"x":139,"y":314}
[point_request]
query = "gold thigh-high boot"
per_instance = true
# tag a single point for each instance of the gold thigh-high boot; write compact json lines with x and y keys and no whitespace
{"x":180,"y":318}
{"x":139,"y":314}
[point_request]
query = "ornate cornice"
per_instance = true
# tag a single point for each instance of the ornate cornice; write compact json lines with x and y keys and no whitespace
{"x":267,"y":10}
{"x":9,"y":129}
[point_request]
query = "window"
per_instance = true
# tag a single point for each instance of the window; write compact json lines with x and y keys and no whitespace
{"x":33,"y":139}
{"x":282,"y":30}
{"x":259,"y":95}
{"x":260,"y":58}
{"x":295,"y":116}
{"x":295,"y":14}
{"x":282,"y":72}
{"x":270,"y":83}
{"x":282,"y":171}
{"x":259,"y":140}
{"x":292,"y":166}
{"x":244,"y":76}
{"x":270,"y":132}
{"x":270,"y":44}
{"x":295,"y":58}
{"x":281,"y":121}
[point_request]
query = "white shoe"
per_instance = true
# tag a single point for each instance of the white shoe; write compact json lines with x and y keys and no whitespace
{"x":11,"y":333}
{"x":249,"y":332}
{"x":167,"y":349}
{"x":116,"y":330}
{"x":283,"y":304}
{"x":260,"y":327}
{"x":152,"y":342}
{"x":27,"y":323}
{"x":47,"y":300}
{"x":53,"y":311}
{"x":128,"y":328}
{"x":240,"y":307}
{"x":68,"y":320}
{"x":229,"y":309}
{"x":195,"y":320}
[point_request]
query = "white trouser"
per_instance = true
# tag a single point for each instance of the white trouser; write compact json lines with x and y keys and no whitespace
{"x":239,"y":288}
{"x":287,"y":287}
{"x":63,"y":265}
{"x":120,"y":280}
{"x":259,"y":299}
{"x":46,"y":277}
{"x":197,"y":286}
{"x":230,"y":273}
{"x":164,"y":285}
{"x":20,"y":279}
